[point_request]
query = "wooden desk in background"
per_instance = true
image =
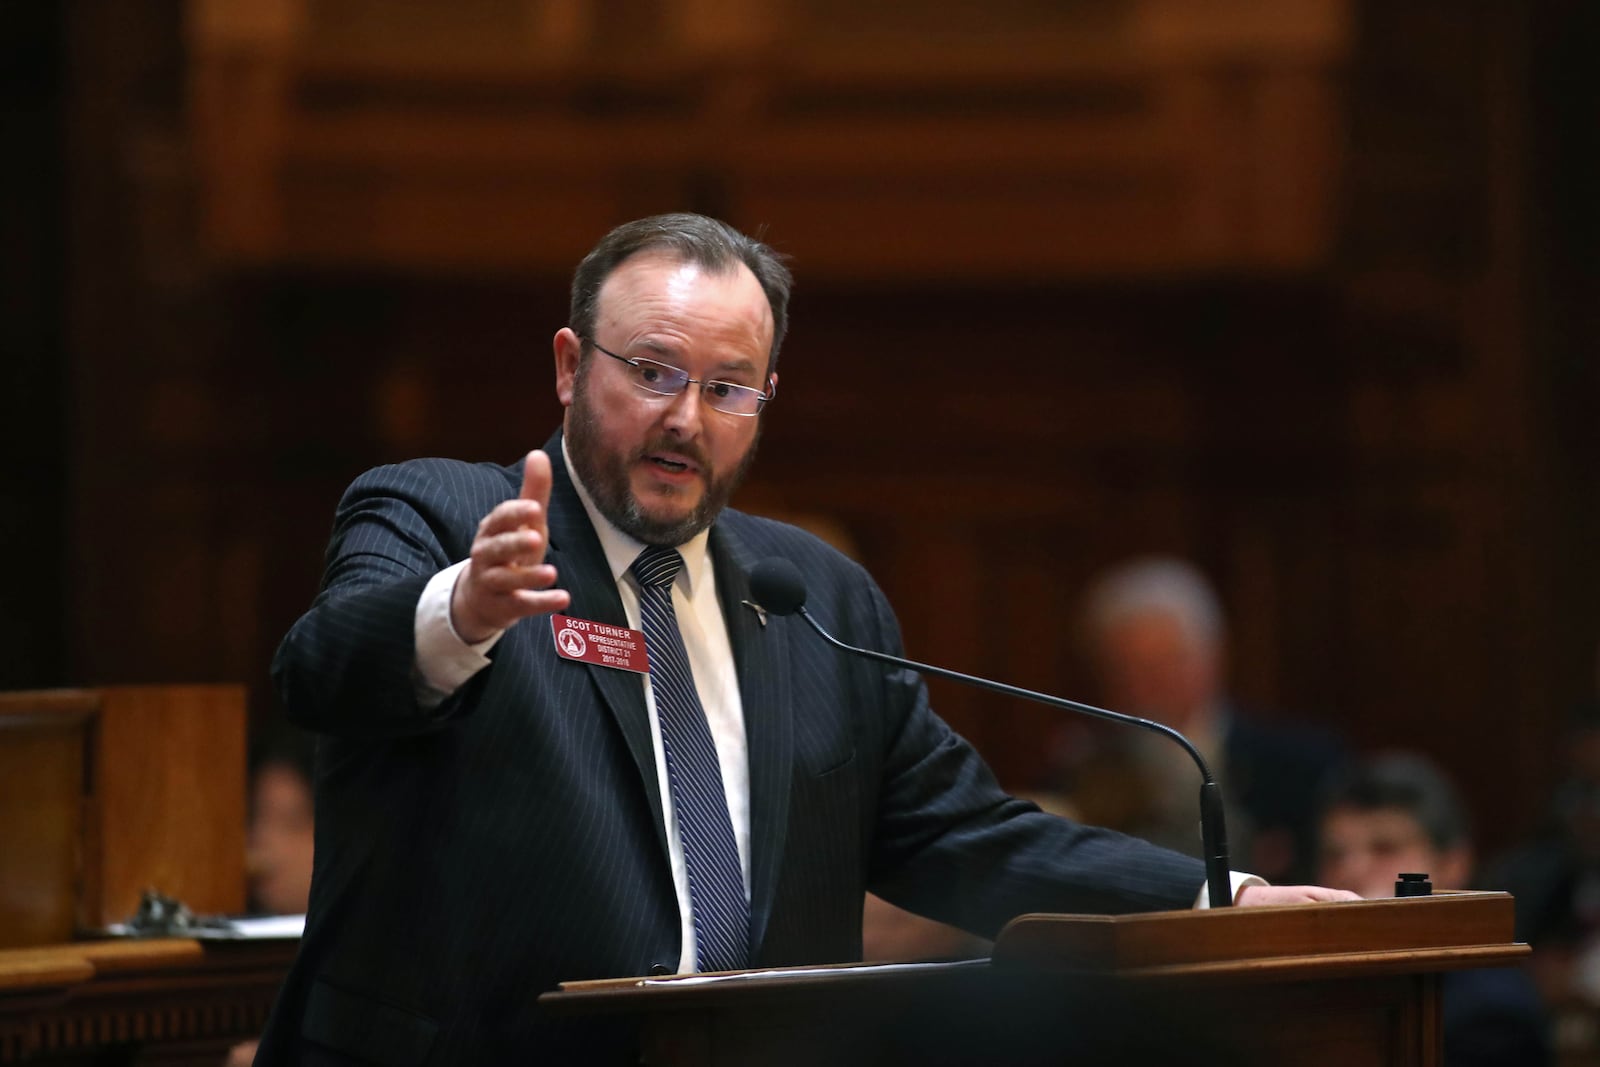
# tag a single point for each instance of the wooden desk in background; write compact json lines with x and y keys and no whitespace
{"x":148,"y":1002}
{"x":103,"y":794}
{"x":107,"y":792}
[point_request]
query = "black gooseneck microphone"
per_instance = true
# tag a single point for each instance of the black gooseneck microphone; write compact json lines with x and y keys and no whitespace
{"x":778,"y":588}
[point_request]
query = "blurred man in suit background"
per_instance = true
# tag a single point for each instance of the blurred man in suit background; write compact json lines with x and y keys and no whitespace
{"x":1155,"y":634}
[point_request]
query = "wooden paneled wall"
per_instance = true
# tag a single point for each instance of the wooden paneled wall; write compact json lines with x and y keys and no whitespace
{"x":878,"y":141}
{"x":1127,"y":277}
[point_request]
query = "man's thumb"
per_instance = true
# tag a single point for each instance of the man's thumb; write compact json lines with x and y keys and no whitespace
{"x":536,"y":477}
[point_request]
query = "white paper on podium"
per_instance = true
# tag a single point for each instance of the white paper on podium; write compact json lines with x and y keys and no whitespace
{"x":808,"y":972}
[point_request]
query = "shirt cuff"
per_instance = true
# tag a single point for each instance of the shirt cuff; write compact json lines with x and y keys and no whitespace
{"x":1239,"y":880}
{"x":444,"y":661}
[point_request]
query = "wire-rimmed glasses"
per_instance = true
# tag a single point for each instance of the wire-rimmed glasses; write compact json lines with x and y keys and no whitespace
{"x":663,"y":379}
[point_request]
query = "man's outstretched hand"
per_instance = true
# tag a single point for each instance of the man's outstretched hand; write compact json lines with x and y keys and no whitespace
{"x":506,"y":578}
{"x":1258,"y":896}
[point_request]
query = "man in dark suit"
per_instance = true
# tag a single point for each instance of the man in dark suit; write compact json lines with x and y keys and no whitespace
{"x":494,"y":817}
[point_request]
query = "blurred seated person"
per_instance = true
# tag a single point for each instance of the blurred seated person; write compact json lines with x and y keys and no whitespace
{"x":1155,"y":636}
{"x":279,"y":836}
{"x":279,"y":839}
{"x":1556,"y":876}
{"x":1397,"y":812}
{"x":894,"y":935}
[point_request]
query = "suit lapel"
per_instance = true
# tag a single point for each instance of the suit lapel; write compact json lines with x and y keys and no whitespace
{"x":761,"y":657}
{"x":582,"y":570}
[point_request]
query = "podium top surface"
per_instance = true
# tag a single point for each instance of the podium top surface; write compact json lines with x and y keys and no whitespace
{"x":1446,"y":931}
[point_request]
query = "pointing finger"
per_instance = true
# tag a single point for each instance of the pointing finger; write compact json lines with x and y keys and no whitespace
{"x":536,"y":477}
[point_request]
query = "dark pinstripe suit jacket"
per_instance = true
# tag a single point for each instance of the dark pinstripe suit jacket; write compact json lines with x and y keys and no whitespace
{"x":471,"y":858}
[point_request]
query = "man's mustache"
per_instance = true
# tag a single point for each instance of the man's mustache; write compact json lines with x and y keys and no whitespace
{"x":688,"y":450}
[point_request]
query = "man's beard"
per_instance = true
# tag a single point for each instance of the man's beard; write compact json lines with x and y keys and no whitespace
{"x":607,"y":476}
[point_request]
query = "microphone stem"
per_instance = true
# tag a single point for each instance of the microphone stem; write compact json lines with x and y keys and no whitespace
{"x":1213,"y":828}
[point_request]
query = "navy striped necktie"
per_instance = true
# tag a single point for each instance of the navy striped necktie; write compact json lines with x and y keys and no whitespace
{"x":717,"y":901}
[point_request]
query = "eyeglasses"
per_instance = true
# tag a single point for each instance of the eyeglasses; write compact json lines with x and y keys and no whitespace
{"x":665,"y":380}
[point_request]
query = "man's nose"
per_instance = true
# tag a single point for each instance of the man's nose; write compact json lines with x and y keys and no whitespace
{"x":684,"y":412}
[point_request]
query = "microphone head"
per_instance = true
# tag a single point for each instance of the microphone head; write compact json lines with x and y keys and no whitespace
{"x":777,"y":586}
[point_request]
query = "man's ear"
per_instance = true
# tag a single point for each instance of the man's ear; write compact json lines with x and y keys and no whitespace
{"x":568,"y":352}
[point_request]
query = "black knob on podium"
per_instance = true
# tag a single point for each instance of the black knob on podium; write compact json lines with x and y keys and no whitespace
{"x":1413,"y":885}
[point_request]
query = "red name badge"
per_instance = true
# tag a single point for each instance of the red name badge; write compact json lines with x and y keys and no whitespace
{"x":600,"y":644}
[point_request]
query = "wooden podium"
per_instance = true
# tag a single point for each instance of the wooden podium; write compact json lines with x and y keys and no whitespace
{"x":1338,"y":984}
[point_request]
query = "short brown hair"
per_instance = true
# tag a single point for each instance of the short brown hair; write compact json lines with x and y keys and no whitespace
{"x":697,"y":239}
